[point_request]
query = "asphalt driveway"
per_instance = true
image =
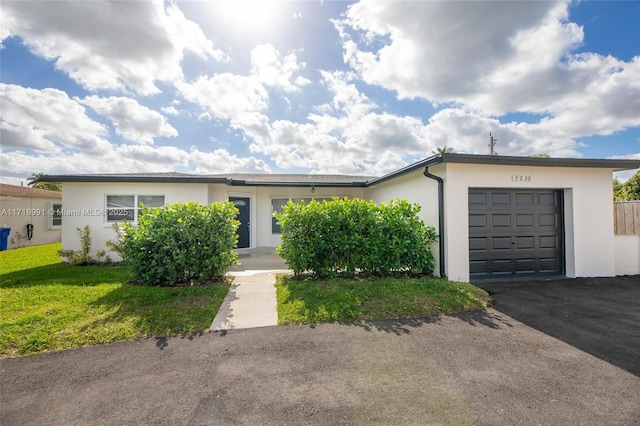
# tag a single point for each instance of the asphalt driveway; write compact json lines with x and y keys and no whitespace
{"x":483,"y":368}
{"x":600,"y":316}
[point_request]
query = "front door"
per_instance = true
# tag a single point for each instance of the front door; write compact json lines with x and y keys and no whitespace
{"x":243,"y":203}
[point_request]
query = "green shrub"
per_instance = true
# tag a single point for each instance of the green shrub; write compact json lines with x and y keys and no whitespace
{"x":181,"y":243}
{"x":345,"y":235}
{"x":83,"y":255}
{"x":115,"y":245}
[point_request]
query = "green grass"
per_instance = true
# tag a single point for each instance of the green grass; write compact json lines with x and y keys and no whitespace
{"x":305,"y":301}
{"x":46,"y":305}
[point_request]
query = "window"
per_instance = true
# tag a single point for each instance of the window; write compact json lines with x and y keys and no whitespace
{"x":277,"y":205}
{"x":126,"y":207}
{"x":55,"y":216}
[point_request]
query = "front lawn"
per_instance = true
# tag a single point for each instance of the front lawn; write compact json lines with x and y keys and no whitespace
{"x":306,"y":301}
{"x":47,"y":305}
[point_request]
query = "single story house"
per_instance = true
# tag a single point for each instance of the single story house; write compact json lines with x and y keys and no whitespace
{"x":33,"y":214}
{"x":498,"y":217}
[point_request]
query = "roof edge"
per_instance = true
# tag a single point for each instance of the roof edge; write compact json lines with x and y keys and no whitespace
{"x":616,"y":164}
{"x":189,"y":179}
{"x":613,"y":164}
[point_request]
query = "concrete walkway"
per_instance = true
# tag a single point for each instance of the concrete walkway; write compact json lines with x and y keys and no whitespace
{"x":251,"y":301}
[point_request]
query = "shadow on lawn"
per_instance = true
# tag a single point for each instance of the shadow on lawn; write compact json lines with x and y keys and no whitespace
{"x":161,"y":311}
{"x":405,"y":325}
{"x":66,"y":274}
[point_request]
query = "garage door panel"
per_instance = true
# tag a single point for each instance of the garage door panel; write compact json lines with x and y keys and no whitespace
{"x":500,"y":198}
{"x":500,"y":220}
{"x":501,"y":265}
{"x":549,"y":242}
{"x":524,"y":219}
{"x":478,"y":244}
{"x":525,"y":199}
{"x":515,"y":233}
{"x":501,"y":243}
{"x":547,"y":199}
{"x":477,"y":220}
{"x":478,"y":199}
{"x":526,"y":242}
{"x":525,"y":266}
{"x":549,"y":265}
{"x":478,"y":266}
{"x":545,"y":219}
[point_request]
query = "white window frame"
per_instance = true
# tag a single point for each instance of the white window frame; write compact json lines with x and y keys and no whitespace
{"x":50,"y":216}
{"x":136,"y":206}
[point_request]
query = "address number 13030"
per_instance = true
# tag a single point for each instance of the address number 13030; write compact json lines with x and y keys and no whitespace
{"x":520,"y":178}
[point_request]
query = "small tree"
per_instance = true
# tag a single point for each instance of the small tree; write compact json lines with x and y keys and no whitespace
{"x":83,"y":255}
{"x":443,"y":150}
{"x":35,"y":181}
{"x":181,"y":243}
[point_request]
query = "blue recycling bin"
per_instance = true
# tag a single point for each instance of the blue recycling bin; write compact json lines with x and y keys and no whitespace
{"x":4,"y":237}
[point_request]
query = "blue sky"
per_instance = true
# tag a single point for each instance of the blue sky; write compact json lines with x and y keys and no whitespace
{"x":311,"y":87}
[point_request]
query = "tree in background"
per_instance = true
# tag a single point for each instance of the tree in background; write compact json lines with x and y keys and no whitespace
{"x":443,"y":150}
{"x":35,"y":181}
{"x":628,"y":191}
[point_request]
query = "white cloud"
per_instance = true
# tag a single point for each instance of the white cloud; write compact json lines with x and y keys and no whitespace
{"x":221,"y":161}
{"x":226,"y":96}
{"x":347,"y":135}
{"x":469,"y":132}
{"x":132,"y":121}
{"x":436,"y":50}
{"x":17,"y":165}
{"x":273,"y":70}
{"x":170,"y":110}
{"x":458,"y":53}
{"x":233,"y":97}
{"x":48,"y":121}
{"x":108,"y":45}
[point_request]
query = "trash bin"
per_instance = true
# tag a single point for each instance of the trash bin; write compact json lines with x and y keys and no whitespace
{"x":4,"y":237}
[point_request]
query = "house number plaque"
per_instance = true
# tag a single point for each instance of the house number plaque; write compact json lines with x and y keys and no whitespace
{"x":520,"y":178}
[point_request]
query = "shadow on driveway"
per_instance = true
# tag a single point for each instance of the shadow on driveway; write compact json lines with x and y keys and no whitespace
{"x":600,"y":316}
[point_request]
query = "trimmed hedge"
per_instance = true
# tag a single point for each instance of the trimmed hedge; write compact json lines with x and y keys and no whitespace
{"x":181,"y":243}
{"x":345,"y":235}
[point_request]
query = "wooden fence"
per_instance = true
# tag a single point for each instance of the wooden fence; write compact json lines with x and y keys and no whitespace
{"x":626,"y":217}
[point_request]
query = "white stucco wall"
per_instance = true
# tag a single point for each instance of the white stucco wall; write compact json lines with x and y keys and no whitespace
{"x":589,"y":240}
{"x":416,"y":188}
{"x":20,"y":210}
{"x":627,"y":251}
{"x":82,"y":200}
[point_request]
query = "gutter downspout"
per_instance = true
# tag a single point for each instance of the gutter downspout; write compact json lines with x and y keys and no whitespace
{"x":438,"y":179}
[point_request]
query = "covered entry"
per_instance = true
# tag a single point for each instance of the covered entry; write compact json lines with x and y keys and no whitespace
{"x":515,"y":233}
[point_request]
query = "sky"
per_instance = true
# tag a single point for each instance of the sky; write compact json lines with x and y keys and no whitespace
{"x":360,"y":88}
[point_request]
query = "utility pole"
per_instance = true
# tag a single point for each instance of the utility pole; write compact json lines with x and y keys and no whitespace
{"x":492,"y":144}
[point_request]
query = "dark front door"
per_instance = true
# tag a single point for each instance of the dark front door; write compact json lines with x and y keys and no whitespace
{"x":242,"y":204}
{"x":515,"y":233}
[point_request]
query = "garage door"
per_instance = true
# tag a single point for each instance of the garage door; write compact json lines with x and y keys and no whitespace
{"x":515,"y":233}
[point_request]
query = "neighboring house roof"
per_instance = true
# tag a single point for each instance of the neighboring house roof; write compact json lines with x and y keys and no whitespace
{"x":263,"y":179}
{"x":27,"y":191}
